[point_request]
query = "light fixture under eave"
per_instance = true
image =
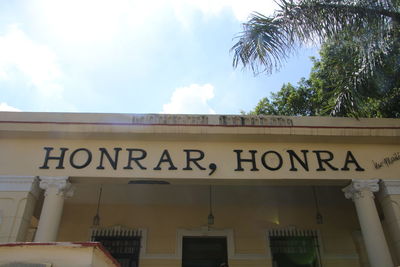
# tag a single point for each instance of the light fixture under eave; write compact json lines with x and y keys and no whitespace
{"x":210,"y":219}
{"x":96,"y":218}
{"x":318,"y":216}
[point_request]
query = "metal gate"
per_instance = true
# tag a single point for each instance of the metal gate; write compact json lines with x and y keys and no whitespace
{"x":293,"y":247}
{"x":122,"y":243}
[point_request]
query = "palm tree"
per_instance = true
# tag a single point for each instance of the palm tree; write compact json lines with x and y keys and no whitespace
{"x":370,"y":29}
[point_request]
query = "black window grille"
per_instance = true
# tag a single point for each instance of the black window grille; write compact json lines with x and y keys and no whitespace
{"x":123,"y":244}
{"x":294,"y":248}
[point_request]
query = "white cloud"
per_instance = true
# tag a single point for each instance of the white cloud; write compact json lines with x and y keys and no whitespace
{"x":19,"y":55}
{"x":192,"y":99}
{"x":241,"y":9}
{"x":5,"y":107}
{"x":97,"y":21}
{"x":78,"y":22}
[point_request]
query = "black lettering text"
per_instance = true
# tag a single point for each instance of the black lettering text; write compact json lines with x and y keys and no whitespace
{"x":303,"y":162}
{"x":252,"y":160}
{"x":264,"y":162}
{"x":190,"y":158}
{"x":351,"y":159}
{"x":113,"y":162}
{"x":324,"y":160}
{"x":84,"y":164}
{"x":165,"y":157}
{"x":135,"y":159}
{"x":60,"y":158}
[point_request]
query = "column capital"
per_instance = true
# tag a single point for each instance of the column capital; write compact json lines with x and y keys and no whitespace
{"x":59,"y":183}
{"x":361,"y":188}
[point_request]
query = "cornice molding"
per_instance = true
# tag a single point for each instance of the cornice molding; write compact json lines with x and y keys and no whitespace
{"x":20,"y":184}
{"x":390,"y":187}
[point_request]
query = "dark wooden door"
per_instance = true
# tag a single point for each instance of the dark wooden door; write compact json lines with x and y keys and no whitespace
{"x":204,"y":251}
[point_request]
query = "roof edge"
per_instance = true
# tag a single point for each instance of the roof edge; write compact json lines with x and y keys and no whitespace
{"x":197,"y":120}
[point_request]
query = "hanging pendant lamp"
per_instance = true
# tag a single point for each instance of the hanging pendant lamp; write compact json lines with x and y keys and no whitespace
{"x":318,"y":216}
{"x":96,"y":218}
{"x":210,"y":219}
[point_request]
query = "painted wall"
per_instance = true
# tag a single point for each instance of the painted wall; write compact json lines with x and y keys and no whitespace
{"x":18,"y":197}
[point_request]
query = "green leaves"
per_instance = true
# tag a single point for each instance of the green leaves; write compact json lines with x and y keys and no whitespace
{"x":328,"y":92}
{"x":300,"y":100}
{"x":261,"y":44}
{"x":361,"y":37}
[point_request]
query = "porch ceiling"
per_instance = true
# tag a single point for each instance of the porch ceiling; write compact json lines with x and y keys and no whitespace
{"x":138,"y":194}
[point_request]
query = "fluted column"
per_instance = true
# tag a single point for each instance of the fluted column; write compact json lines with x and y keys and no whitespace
{"x":361,"y":192}
{"x":56,"y":189}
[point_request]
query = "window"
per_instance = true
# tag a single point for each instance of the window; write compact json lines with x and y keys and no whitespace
{"x":123,"y":244}
{"x":294,"y":248}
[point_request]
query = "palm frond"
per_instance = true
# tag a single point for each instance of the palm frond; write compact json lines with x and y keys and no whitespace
{"x":261,"y":44}
{"x":366,"y":30}
{"x":266,"y":42}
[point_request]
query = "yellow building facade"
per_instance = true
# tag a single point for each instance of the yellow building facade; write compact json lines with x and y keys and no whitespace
{"x":203,"y":190}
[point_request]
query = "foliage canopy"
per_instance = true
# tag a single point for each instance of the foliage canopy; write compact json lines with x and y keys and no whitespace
{"x":360,"y":57}
{"x":315,"y":96}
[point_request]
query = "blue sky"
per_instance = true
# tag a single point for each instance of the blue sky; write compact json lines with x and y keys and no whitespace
{"x":126,"y":56}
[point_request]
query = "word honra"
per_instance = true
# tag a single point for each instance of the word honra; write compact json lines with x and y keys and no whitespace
{"x":251,"y":160}
{"x":273,"y":161}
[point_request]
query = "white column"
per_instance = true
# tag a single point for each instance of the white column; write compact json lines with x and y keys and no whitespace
{"x":361,"y":192}
{"x":389,"y":198}
{"x":57,"y":188}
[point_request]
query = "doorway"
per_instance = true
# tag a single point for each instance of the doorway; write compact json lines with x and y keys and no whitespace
{"x":199,"y":251}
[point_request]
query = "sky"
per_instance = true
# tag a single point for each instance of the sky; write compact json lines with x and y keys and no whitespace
{"x":128,"y":56}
